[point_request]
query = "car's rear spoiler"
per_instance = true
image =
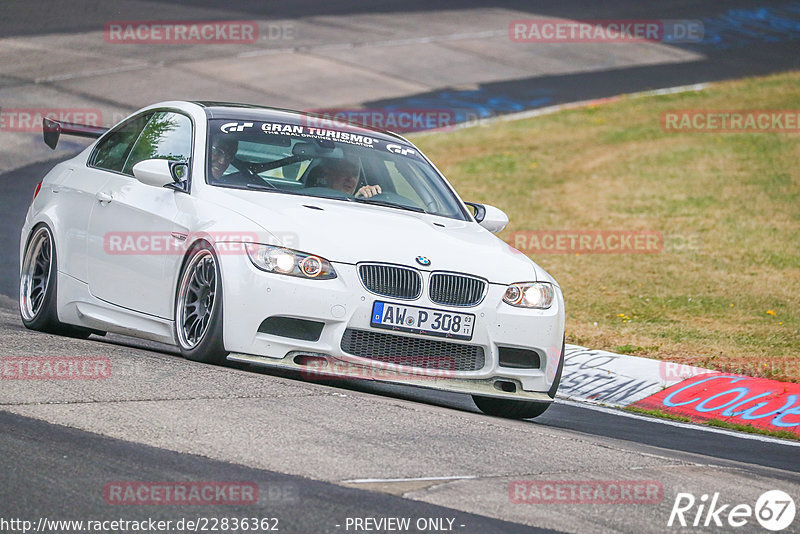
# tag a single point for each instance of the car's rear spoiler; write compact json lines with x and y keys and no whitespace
{"x":52,"y":130}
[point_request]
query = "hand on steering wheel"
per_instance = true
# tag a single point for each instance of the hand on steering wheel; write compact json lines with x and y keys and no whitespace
{"x":369,"y":191}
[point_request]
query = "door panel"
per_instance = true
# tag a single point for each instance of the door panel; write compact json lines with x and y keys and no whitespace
{"x":130,"y":243}
{"x":132,"y":251}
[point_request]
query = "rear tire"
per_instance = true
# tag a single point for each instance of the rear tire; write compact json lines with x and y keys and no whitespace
{"x":198,"y":308}
{"x":518,"y":409}
{"x":38,"y":291}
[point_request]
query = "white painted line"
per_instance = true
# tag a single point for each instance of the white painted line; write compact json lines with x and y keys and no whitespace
{"x":597,"y":101}
{"x":690,"y":426}
{"x":417,"y":479}
{"x":671,"y":90}
{"x":538,"y":112}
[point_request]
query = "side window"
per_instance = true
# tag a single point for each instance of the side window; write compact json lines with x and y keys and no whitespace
{"x":112,"y":151}
{"x":167,"y":136}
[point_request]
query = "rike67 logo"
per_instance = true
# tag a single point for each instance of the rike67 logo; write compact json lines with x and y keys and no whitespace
{"x":774,"y":510}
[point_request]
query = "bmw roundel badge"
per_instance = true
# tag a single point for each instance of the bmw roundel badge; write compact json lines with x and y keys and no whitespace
{"x":422,"y":260}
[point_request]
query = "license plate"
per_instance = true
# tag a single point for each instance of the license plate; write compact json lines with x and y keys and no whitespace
{"x":426,"y":321}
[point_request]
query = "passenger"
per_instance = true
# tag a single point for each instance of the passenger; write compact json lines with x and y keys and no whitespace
{"x":223,"y":150}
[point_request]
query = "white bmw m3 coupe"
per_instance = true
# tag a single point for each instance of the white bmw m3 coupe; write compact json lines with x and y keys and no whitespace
{"x":283,"y":239}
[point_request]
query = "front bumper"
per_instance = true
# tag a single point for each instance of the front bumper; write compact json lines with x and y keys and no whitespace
{"x":251,"y":296}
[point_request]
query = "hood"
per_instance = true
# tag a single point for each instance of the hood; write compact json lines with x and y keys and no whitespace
{"x":349,"y":232}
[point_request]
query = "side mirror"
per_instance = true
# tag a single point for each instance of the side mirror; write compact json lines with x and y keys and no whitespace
{"x":491,"y":218}
{"x":160,"y":172}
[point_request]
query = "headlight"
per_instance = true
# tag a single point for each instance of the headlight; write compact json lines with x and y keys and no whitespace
{"x":290,"y":262}
{"x":530,"y":295}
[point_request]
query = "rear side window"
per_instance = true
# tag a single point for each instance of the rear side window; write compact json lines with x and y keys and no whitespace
{"x":113,"y":151}
{"x":167,"y":136}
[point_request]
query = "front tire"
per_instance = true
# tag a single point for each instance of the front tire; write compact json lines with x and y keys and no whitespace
{"x":512,"y":409}
{"x":198,"y":308}
{"x":38,"y":291}
{"x":517,"y":409}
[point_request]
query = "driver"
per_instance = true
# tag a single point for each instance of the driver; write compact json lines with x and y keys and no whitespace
{"x":342,"y":175}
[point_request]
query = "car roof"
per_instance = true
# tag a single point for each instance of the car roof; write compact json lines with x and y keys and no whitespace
{"x":227,"y":110}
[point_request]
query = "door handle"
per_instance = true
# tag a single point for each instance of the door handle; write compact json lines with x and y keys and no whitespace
{"x":103,"y":197}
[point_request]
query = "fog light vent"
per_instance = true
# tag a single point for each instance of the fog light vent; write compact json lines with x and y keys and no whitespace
{"x":292,"y":328}
{"x":519,"y":358}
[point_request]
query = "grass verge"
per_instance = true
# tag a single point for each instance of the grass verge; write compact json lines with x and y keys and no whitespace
{"x":724,"y":293}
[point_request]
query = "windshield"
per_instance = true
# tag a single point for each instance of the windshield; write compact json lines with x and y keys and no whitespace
{"x":336,"y":163}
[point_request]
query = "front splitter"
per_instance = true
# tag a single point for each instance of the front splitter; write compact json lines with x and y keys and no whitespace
{"x":325,"y":367}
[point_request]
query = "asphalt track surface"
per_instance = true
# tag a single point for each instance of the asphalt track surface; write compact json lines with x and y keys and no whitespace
{"x":329,"y":450}
{"x":62,"y":471}
{"x":322,"y":452}
{"x":49,"y":454}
